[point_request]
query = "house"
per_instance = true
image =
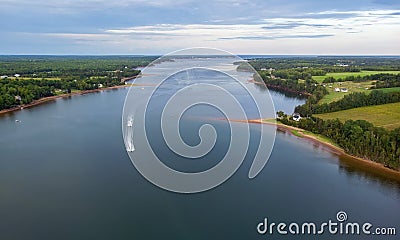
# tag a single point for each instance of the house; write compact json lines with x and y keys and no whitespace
{"x":296,"y":117}
{"x":337,"y":89}
{"x":17,"y":75}
{"x":18,"y":98}
{"x":3,"y":76}
{"x":344,"y":90}
{"x":100,"y":85}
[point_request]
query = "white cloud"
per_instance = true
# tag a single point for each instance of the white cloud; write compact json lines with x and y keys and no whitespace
{"x":359,"y":21}
{"x":325,"y":32}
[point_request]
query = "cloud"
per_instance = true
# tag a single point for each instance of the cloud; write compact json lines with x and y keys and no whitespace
{"x":155,"y":26}
{"x":295,"y":25}
{"x":271,"y":28}
{"x":278,"y":37}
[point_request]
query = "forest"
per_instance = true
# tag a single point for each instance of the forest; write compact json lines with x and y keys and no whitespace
{"x":359,"y":138}
{"x":290,"y":82}
{"x":28,"y":78}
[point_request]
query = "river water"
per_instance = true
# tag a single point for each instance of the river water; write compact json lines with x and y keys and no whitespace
{"x":65,"y":174}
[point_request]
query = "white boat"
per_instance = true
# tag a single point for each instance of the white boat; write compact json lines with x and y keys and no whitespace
{"x":129,"y":135}
{"x":129,"y":123}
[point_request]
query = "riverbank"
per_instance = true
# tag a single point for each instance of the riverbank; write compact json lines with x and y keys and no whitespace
{"x":366,"y":164}
{"x":53,"y":98}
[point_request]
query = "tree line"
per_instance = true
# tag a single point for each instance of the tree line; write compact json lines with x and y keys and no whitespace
{"x":40,"y":75}
{"x":381,"y":78}
{"x":64,"y":66}
{"x":292,"y":83}
{"x":17,"y":92}
{"x":359,"y":138}
{"x":13,"y":93}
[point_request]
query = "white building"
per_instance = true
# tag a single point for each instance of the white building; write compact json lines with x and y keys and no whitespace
{"x":296,"y":117}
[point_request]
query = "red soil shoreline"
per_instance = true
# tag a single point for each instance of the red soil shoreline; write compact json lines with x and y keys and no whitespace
{"x":394,"y":174}
{"x":52,"y":98}
{"x":362,"y":162}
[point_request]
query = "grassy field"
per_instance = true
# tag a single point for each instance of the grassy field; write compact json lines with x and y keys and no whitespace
{"x":386,"y":115}
{"x":346,"y":74}
{"x":351,"y":87}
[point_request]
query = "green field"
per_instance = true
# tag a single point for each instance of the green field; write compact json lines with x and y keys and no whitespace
{"x":386,"y":115}
{"x":346,"y":74}
{"x":351,"y":87}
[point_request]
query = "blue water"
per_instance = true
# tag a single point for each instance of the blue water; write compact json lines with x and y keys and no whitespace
{"x":65,"y":174}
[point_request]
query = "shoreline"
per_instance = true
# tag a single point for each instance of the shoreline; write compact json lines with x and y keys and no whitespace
{"x":53,"y":98}
{"x":361,"y":162}
{"x":387,"y":172}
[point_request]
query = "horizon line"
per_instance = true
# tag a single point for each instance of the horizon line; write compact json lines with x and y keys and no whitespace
{"x":246,"y":54}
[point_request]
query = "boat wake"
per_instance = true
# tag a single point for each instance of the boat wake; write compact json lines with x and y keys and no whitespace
{"x":129,"y":135}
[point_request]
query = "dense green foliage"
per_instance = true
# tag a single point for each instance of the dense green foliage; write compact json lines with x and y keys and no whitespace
{"x":308,"y":86}
{"x":67,"y":66}
{"x":43,"y":76}
{"x":26,"y":90}
{"x":388,"y":81}
{"x":17,"y":92}
{"x":291,"y":83}
{"x":359,"y":138}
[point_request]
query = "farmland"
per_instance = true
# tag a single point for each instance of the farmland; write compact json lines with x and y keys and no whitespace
{"x":386,"y":115}
{"x":338,"y":75}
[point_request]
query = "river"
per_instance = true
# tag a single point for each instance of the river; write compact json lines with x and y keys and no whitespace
{"x":65,"y":174}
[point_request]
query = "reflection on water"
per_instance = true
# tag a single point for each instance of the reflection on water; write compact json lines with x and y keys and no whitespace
{"x":365,"y":172}
{"x":286,"y":102}
{"x":351,"y":166}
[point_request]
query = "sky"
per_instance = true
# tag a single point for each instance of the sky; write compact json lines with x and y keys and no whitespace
{"x":154,"y":27}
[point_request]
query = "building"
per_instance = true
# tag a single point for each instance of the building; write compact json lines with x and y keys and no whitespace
{"x":296,"y":117}
{"x":17,"y":75}
{"x":337,"y":89}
